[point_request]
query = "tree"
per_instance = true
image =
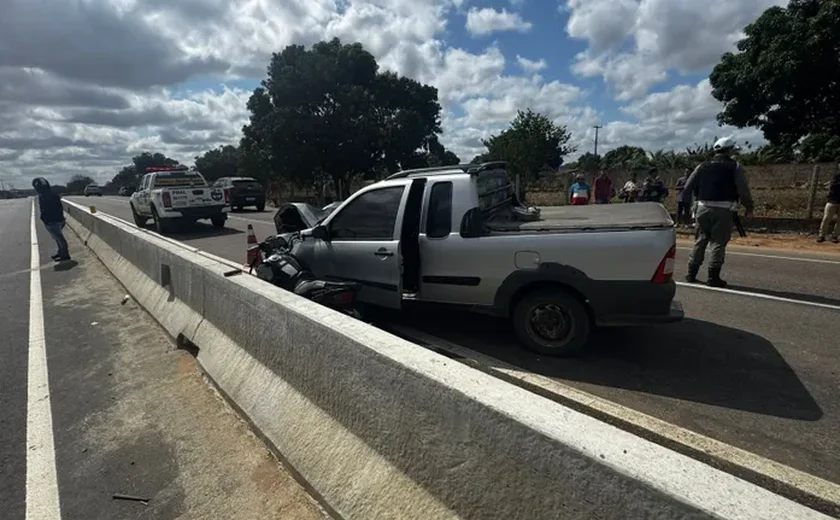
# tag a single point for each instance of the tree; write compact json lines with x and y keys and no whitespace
{"x":819,"y":148}
{"x":784,"y":77}
{"x":130,"y":175}
{"x":589,"y":162}
{"x":327,"y":111}
{"x":625,"y":158}
{"x":218,"y":162}
{"x":531,"y":144}
{"x":78,"y":182}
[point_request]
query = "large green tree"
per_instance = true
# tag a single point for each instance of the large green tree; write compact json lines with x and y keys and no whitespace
{"x":532,"y":143}
{"x":784,"y":78}
{"x":130,"y":175}
{"x":589,"y":162}
{"x":218,"y":162}
{"x":328,"y":111}
{"x":625,"y":158}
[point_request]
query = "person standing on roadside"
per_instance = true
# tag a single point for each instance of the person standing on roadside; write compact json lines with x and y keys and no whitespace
{"x":718,"y":185}
{"x":683,"y":205}
{"x":832,"y":210}
{"x":580,"y":192}
{"x":653,"y":189}
{"x":630,"y":191}
{"x":603,"y":188}
{"x":52,"y":215}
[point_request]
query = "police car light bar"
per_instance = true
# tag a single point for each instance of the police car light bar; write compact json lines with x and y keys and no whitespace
{"x":166,"y":168}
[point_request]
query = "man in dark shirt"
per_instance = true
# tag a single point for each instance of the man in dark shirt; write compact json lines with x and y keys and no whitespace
{"x":653,"y":189}
{"x":832,"y":211}
{"x":52,"y":215}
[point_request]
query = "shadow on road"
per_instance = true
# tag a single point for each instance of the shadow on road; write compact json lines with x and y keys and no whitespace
{"x":693,"y":360}
{"x":65,"y":266}
{"x":200,"y":230}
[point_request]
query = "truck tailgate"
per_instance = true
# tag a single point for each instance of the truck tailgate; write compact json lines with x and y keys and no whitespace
{"x":196,"y":197}
{"x":600,"y":217}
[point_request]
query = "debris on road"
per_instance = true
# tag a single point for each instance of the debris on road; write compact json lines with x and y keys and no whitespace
{"x":131,"y":498}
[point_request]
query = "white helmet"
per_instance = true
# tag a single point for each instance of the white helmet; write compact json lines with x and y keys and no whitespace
{"x":726,"y":144}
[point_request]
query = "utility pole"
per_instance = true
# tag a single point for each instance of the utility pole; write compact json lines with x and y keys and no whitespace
{"x":597,"y":127}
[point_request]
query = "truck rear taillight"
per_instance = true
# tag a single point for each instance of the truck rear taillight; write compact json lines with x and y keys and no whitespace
{"x":167,"y":199}
{"x":665,"y":271}
{"x":227,"y":196}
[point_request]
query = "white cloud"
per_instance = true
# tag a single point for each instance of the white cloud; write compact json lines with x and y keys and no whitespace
{"x":481,"y":22}
{"x":531,"y":65}
{"x":103,"y":80}
{"x":634,"y":44}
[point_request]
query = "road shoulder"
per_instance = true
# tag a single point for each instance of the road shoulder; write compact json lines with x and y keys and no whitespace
{"x":133,"y":416}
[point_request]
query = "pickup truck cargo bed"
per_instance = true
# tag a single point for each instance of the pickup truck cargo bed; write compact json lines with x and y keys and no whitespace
{"x":602,"y":217}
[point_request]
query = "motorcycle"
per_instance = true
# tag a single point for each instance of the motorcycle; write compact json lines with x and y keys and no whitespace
{"x":275,"y":263}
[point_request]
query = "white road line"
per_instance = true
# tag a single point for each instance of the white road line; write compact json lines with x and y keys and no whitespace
{"x":759,"y":295}
{"x":41,"y":480}
{"x":776,"y":257}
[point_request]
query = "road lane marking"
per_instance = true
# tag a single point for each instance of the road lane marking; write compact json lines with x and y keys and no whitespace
{"x":776,"y":257}
{"x":762,"y":296}
{"x":42,"y":501}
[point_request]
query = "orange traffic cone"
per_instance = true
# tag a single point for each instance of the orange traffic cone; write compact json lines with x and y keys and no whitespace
{"x":252,"y":254}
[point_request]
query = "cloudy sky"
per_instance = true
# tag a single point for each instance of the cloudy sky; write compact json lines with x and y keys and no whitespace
{"x":87,"y":84}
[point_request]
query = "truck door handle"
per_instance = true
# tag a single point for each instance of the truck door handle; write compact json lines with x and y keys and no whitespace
{"x":383,"y":252}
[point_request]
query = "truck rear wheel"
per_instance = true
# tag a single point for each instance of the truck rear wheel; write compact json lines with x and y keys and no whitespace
{"x":161,"y":224}
{"x":218,"y":221}
{"x":551,"y":322}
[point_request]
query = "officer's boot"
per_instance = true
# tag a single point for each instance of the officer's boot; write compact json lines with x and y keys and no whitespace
{"x":714,"y":278}
{"x":691,"y":276}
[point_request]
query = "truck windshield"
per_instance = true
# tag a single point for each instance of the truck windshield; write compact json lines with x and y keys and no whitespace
{"x":494,"y":189}
{"x":178,"y":180}
{"x":248,"y":184}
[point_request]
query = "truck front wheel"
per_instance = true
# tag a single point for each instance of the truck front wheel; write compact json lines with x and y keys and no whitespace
{"x":551,"y":322}
{"x":218,"y":221}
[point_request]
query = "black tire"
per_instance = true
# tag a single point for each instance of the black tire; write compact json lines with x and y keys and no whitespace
{"x":218,"y":221}
{"x":261,"y":207}
{"x":539,"y":314}
{"x":161,"y":225}
{"x":138,"y":220}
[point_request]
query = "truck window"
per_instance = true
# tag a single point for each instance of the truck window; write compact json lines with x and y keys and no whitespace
{"x":439,"y":215}
{"x":179,"y":180}
{"x":370,"y":216}
{"x":249,"y":184}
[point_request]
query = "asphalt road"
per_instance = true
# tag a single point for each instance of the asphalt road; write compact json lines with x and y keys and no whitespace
{"x":130,"y":414}
{"x":760,"y":374}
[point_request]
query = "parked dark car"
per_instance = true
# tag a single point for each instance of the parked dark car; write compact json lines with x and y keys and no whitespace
{"x":244,"y":191}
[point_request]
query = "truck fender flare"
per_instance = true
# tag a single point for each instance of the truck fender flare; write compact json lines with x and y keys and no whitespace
{"x":547,"y":273}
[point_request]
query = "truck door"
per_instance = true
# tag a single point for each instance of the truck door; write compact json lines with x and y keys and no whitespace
{"x":363,"y":244}
{"x":142,"y":197}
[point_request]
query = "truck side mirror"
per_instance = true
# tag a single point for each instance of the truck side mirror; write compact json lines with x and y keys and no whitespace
{"x":320,"y":232}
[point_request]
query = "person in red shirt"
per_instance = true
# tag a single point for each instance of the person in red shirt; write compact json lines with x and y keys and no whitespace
{"x":603,"y":188}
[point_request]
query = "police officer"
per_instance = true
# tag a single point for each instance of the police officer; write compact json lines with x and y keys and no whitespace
{"x":718,"y":185}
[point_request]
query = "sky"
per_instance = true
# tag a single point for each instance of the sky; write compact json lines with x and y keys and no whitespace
{"x":87,"y":84}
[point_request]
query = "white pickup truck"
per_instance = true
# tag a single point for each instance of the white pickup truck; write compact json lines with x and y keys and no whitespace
{"x":457,"y":236}
{"x":177,"y":194}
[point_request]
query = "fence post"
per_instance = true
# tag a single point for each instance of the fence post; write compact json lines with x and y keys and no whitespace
{"x":812,"y":195}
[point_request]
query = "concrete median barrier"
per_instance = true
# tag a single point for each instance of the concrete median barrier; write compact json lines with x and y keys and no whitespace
{"x":380,"y":428}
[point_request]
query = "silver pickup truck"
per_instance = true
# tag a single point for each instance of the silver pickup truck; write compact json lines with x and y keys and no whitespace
{"x":454,"y":235}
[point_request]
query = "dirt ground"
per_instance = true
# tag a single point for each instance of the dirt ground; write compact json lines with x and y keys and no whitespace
{"x":782,"y":242}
